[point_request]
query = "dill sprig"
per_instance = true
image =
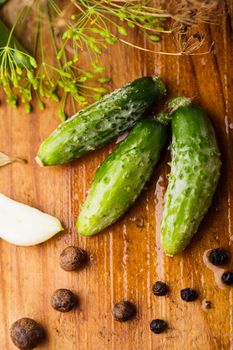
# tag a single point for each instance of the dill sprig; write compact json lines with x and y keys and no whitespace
{"x":74,"y":26}
{"x":16,"y":67}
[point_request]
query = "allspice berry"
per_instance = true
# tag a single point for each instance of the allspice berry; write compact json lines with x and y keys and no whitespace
{"x":73,"y":258}
{"x":63,"y":300}
{"x":26,"y":333}
{"x":124,"y":311}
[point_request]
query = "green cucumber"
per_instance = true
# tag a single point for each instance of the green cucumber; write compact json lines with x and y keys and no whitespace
{"x":99,"y":123}
{"x":122,"y":176}
{"x":195,"y":170}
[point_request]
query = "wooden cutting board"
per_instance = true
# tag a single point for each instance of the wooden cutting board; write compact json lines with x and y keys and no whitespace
{"x":127,"y":258}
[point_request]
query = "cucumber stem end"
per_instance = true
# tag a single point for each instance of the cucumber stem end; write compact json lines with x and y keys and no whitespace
{"x":160,"y":85}
{"x":39,"y":162}
{"x":178,"y":102}
{"x":165,"y":116}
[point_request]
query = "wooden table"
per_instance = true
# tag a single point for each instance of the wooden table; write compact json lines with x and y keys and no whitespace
{"x":127,"y":258}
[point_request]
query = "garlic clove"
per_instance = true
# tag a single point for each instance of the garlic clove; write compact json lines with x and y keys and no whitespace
{"x":23,"y":225}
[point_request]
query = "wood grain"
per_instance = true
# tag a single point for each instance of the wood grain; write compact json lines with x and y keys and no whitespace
{"x":126,"y":259}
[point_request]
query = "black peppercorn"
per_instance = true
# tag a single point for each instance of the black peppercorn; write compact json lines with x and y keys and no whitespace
{"x":26,"y":333}
{"x":160,"y":288}
{"x":218,"y":257}
{"x":63,"y":300}
{"x":188,"y":294}
{"x":73,"y":258}
{"x":227,"y":278}
{"x":158,"y":326}
{"x":124,"y":311}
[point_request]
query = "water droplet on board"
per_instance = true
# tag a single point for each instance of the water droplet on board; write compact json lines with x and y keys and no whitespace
{"x":215,"y":269}
{"x":140,"y":222}
{"x":203,"y":61}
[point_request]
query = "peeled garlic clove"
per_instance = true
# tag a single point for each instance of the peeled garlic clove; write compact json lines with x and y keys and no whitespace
{"x":23,"y":225}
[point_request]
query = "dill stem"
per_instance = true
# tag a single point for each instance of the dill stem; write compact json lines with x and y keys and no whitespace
{"x":14,"y":25}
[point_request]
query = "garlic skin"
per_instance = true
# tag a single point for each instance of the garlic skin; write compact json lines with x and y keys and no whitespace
{"x":23,"y":225}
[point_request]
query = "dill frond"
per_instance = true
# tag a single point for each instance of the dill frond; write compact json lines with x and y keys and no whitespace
{"x":75,"y":26}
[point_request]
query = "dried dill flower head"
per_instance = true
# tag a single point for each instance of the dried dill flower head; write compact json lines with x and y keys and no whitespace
{"x":188,"y":13}
{"x":72,"y":27}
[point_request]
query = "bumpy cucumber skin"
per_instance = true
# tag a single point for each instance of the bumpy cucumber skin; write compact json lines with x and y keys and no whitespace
{"x":93,"y":127}
{"x":195,"y":170}
{"x":122,"y":176}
